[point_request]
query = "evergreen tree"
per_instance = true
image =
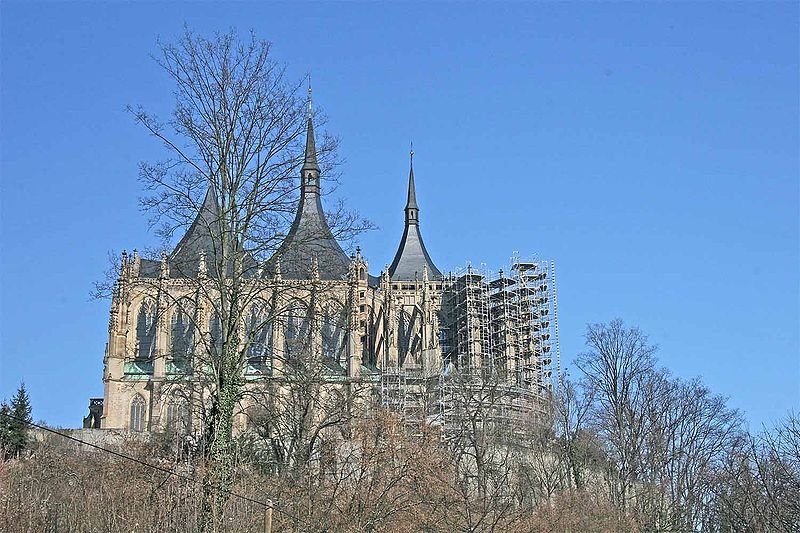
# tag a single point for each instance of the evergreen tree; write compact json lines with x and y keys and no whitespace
{"x":14,"y":420}
{"x":5,"y":430}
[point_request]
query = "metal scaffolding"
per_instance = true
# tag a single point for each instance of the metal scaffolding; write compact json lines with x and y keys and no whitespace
{"x":554,"y":292}
{"x":467,"y":322}
{"x":532,"y":294}
{"x":496,"y":333}
{"x":405,"y":392}
{"x":394,"y":389}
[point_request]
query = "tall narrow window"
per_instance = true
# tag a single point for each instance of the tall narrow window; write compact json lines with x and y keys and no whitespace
{"x":404,"y":333}
{"x":333,"y":332}
{"x":138,"y":408}
{"x":178,"y":417}
{"x":182,"y":334}
{"x":296,"y":329}
{"x":146,"y":329}
{"x":259,"y":333}
{"x":215,"y":330}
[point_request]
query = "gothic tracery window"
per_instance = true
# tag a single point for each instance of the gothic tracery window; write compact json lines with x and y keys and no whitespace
{"x":404,"y":332}
{"x":259,"y":333}
{"x":178,"y":416}
{"x":296,"y":329}
{"x":146,"y":329}
{"x":138,"y":408}
{"x":182,"y":331}
{"x":333,"y":331}
{"x":216,"y":332}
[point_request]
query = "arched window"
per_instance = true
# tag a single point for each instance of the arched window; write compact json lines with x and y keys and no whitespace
{"x":333,"y":331}
{"x":146,"y":329}
{"x":138,"y":409}
{"x":296,"y":328}
{"x":178,"y":416}
{"x":404,"y":335}
{"x":216,"y":332}
{"x":259,"y":332}
{"x":182,"y":333}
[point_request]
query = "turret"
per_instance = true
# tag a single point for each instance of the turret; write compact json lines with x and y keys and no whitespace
{"x":310,"y":237}
{"x":309,"y":174}
{"x":412,"y":209}
{"x":412,"y":258}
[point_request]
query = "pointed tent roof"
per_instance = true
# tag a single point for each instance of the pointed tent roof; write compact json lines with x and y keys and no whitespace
{"x":411,"y":256}
{"x":184,"y":260}
{"x":185,"y":257}
{"x":310,"y":236}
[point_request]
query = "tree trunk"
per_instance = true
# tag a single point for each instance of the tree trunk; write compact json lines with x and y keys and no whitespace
{"x":220,"y":471}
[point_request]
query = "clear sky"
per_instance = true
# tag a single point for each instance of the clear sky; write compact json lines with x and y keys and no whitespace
{"x":651,"y":149}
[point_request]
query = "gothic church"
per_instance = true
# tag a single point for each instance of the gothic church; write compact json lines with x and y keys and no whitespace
{"x":409,"y":328}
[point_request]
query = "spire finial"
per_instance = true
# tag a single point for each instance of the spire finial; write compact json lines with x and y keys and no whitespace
{"x":310,"y":162}
{"x":309,"y":95}
{"x":411,"y":216}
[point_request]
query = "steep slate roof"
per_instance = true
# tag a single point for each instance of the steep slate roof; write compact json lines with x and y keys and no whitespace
{"x":184,"y":261}
{"x":310,"y":236}
{"x":185,"y":258}
{"x":411,"y":255}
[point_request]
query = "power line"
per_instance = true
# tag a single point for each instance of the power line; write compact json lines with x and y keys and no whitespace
{"x":266,"y":505}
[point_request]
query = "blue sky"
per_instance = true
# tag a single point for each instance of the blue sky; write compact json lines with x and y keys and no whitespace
{"x":651,"y":149}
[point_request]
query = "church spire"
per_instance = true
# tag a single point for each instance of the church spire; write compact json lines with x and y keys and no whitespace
{"x":412,"y":209}
{"x":310,"y":161}
{"x":310,"y":249}
{"x":412,"y":259}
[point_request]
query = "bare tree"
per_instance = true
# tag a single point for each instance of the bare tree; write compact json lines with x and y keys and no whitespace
{"x":617,"y":366}
{"x":781,"y":450}
{"x":578,"y":449}
{"x":666,"y":440}
{"x":234,"y":143}
{"x":382,"y":479}
{"x":294,"y":420}
{"x":756,"y":487}
{"x":484,"y":429}
{"x":689,"y":432}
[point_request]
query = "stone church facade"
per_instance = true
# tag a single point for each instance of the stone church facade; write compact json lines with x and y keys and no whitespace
{"x":403,"y":333}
